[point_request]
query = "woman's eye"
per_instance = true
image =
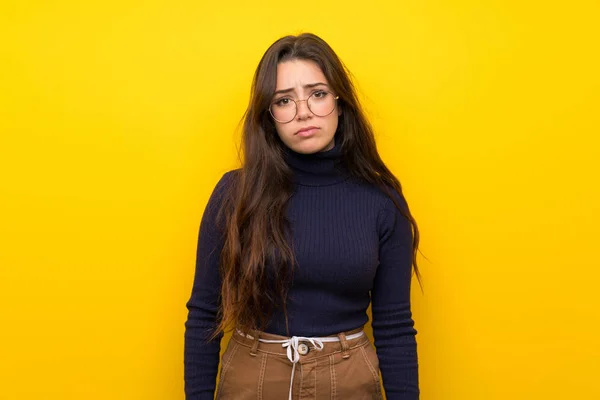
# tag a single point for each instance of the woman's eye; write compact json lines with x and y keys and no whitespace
{"x":320,"y":94}
{"x":283,"y":102}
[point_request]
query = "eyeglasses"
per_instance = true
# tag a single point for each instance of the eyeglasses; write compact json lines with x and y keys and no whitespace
{"x":321,"y":103}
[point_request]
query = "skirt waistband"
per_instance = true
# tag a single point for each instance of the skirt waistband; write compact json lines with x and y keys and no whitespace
{"x":274,"y":344}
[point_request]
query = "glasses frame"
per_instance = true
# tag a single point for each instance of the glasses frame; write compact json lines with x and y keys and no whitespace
{"x":307,"y":106}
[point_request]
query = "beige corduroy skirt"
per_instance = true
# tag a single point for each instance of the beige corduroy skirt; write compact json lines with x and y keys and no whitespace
{"x":260,"y":366}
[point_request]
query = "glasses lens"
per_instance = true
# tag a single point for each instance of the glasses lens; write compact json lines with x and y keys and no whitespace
{"x":321,"y":103}
{"x":283,"y":110}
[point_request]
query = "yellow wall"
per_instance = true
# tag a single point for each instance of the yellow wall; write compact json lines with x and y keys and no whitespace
{"x":118,"y":117}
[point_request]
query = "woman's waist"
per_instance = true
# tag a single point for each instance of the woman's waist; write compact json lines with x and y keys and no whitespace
{"x":298,"y":345}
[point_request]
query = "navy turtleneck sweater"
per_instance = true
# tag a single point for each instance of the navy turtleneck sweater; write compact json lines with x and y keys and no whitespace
{"x":352,"y":247}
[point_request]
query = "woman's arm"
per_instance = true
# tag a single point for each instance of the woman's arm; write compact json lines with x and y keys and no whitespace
{"x":393,"y":326}
{"x":201,"y":357}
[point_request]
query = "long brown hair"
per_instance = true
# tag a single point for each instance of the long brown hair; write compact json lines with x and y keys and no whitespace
{"x":257,"y":257}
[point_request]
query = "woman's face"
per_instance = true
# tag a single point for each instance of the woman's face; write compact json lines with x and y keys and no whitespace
{"x":306,"y":133}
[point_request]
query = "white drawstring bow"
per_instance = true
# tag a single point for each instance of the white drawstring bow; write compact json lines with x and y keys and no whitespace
{"x":292,"y":351}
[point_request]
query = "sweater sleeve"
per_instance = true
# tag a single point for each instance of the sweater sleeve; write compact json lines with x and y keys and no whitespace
{"x":201,"y":356}
{"x":393,"y":326}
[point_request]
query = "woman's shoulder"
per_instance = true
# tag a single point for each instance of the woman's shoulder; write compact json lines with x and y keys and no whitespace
{"x":231,"y":174}
{"x":227,"y":179}
{"x":223,"y":187}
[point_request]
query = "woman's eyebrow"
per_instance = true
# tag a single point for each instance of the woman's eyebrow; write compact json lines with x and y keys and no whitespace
{"x":308,"y":86}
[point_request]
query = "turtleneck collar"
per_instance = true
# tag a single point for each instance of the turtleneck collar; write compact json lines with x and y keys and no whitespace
{"x":317,"y":169}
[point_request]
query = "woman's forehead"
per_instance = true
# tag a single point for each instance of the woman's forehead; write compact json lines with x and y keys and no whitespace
{"x":298,"y":74}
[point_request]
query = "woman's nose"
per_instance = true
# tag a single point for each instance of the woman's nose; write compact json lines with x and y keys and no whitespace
{"x":302,"y":109}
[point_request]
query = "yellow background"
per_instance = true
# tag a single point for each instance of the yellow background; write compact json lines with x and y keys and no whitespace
{"x":118,"y":117}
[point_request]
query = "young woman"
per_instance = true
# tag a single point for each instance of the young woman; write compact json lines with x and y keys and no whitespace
{"x":295,"y":245}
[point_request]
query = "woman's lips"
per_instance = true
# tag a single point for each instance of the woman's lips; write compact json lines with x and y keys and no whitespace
{"x":308,"y":131}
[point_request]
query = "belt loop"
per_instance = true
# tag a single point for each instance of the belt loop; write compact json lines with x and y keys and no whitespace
{"x":255,"y":334}
{"x":344,"y":342}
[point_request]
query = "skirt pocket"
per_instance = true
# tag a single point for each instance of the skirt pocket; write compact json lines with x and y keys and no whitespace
{"x":228,"y":355}
{"x":240,"y":373}
{"x":357,"y":377}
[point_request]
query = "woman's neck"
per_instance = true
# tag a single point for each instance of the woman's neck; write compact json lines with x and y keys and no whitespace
{"x":317,"y":169}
